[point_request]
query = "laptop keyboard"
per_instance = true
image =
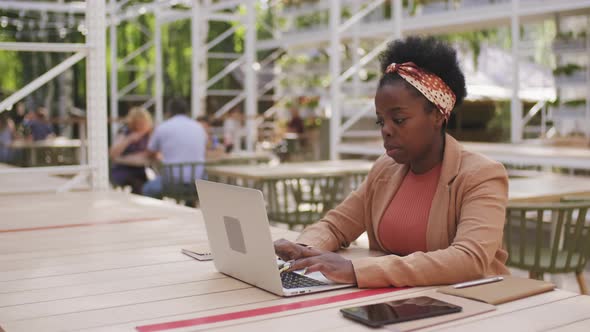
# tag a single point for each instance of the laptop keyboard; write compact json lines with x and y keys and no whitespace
{"x":295,"y":280}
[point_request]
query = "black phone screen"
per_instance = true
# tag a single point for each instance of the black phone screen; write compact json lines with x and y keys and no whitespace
{"x":391,"y":312}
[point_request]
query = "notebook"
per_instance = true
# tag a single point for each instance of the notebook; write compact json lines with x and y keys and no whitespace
{"x":509,"y":289}
{"x":202,"y":253}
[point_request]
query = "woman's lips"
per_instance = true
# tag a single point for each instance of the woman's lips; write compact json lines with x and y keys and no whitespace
{"x":391,"y":151}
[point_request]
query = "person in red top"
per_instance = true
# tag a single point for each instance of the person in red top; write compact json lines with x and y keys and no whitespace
{"x":436,"y":210}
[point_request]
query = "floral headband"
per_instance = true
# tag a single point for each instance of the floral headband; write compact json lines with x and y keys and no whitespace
{"x":429,"y":84}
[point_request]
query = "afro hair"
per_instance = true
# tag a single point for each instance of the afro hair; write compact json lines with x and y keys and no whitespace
{"x":429,"y":54}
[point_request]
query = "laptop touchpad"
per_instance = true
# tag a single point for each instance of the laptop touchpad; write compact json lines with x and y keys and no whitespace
{"x":235,"y":237}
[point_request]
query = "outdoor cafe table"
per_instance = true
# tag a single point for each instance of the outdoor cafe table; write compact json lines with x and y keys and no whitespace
{"x":212,"y":159}
{"x":30,"y":150}
{"x":23,"y":182}
{"x":548,"y":187}
{"x":110,"y":261}
{"x":255,"y":173}
{"x":239,"y":157}
{"x":540,"y":187}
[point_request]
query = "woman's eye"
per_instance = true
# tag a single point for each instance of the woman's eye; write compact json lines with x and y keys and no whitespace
{"x":399,"y":121}
{"x":379,"y":122}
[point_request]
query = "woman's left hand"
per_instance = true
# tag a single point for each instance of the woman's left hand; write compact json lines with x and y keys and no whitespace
{"x":332,"y":265}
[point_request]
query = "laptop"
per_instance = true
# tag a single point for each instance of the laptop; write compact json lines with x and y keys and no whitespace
{"x":241,"y":244}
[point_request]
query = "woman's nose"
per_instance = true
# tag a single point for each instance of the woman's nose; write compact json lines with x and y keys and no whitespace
{"x":386,"y":130}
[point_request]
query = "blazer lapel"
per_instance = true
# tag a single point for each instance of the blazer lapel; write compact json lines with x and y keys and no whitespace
{"x":386,"y":186}
{"x":437,"y":236}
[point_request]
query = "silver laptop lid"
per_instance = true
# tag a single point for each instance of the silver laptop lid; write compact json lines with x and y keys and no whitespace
{"x":239,"y":234}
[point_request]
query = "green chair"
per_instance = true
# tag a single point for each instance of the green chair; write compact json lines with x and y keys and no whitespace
{"x":572,"y":198}
{"x":174,"y":184}
{"x":300,"y":201}
{"x":548,"y":238}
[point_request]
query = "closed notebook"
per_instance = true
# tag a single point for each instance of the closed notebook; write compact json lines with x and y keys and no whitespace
{"x":509,"y":289}
{"x":202,"y":253}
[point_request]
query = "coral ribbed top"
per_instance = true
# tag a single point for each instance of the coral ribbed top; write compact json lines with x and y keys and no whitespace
{"x":402,"y":230}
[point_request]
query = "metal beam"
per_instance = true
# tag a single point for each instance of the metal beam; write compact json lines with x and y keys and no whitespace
{"x":359,"y":15}
{"x":221,"y":55}
{"x":220,"y":38}
{"x":233,"y":92}
{"x":137,"y":52}
{"x":237,"y":99}
{"x":251,"y":75}
{"x":463,"y":19}
{"x":397,"y":15}
{"x":43,"y":47}
{"x":223,"y":17}
{"x":114,"y":87}
{"x":363,"y":61}
{"x":335,"y":53}
{"x":148,"y":103}
{"x":229,"y":68}
{"x":78,"y":7}
{"x":355,"y":48}
{"x":357,"y":116}
{"x":198,"y":56}
{"x":125,"y":90}
{"x":41,"y":80}
{"x":220,"y":5}
{"x":587,"y":126}
{"x":515,"y":103}
{"x":159,"y":71}
{"x":96,"y":97}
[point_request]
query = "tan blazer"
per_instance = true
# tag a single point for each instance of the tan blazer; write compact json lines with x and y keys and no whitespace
{"x":465,"y":225}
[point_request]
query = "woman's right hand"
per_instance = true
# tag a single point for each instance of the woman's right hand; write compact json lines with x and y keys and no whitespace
{"x":288,"y":250}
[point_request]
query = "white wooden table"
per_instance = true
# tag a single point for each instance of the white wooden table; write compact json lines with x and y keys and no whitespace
{"x":519,"y":154}
{"x":31,"y":149}
{"x":547,"y":187}
{"x":34,"y":181}
{"x":292,"y":170}
{"x":111,"y":262}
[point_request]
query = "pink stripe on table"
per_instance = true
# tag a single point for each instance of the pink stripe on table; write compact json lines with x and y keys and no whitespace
{"x":264,"y":311}
{"x":110,"y":222}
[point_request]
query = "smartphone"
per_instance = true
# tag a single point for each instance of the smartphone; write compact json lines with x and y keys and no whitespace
{"x":379,"y":314}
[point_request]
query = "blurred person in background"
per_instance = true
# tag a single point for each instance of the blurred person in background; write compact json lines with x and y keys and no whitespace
{"x":38,"y":124}
{"x":129,"y":150}
{"x":179,"y":139}
{"x":213,"y":143}
{"x":232,"y":130}
{"x":7,"y":133}
{"x":295,"y":125}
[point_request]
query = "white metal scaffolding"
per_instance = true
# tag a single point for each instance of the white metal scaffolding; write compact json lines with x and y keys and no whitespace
{"x":338,"y":30}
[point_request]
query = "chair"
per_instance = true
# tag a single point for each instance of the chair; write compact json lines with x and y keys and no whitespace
{"x":174,"y":181}
{"x":300,"y":201}
{"x":548,"y":238}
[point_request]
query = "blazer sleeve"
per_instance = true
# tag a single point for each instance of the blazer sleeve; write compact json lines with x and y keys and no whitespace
{"x":343,"y":224}
{"x":478,"y":238}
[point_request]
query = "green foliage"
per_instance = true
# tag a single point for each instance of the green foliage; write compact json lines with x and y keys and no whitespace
{"x":474,"y":39}
{"x":567,"y":69}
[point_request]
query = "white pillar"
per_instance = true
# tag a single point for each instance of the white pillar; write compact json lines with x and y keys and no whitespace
{"x":114,"y":79}
{"x":335,"y":118}
{"x":355,"y":54}
{"x":587,"y":126}
{"x":159,"y":74}
{"x":515,"y":104}
{"x":251,"y":79}
{"x":196,"y":59}
{"x":96,"y":96}
{"x":397,"y":14}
